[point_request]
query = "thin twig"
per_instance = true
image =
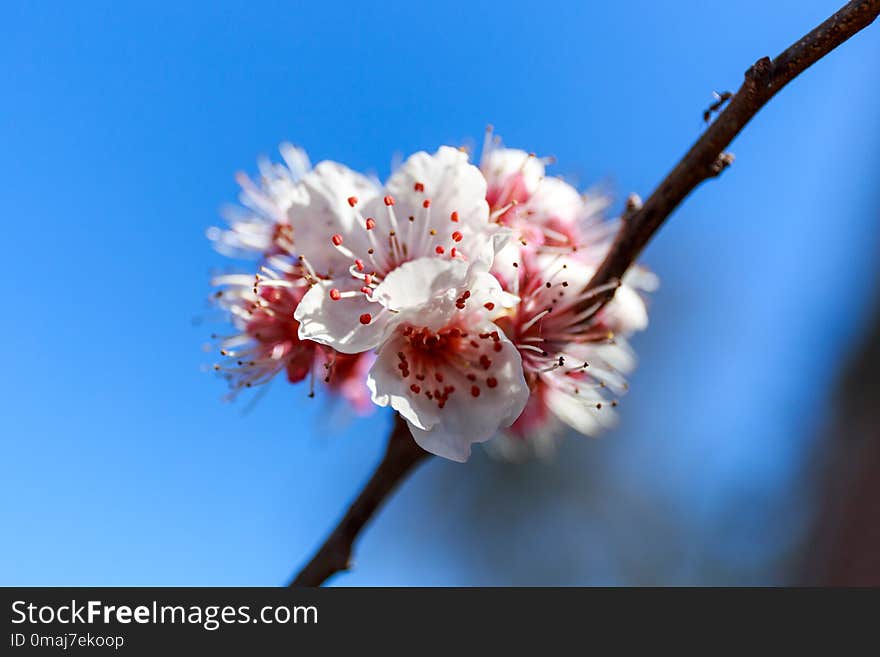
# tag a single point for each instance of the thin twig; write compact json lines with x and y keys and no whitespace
{"x":402,"y":455}
{"x":707,"y":158}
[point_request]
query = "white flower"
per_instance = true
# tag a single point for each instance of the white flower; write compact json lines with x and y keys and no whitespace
{"x":443,"y":364}
{"x":544,"y":212}
{"x":353,"y":237}
{"x":259,"y":225}
{"x":574,"y":354}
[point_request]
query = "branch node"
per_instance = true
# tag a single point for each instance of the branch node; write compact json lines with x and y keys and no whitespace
{"x":760,"y":72}
{"x":633,"y":205}
{"x":721,"y":163}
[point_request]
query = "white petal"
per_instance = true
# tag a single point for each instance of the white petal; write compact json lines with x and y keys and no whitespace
{"x":337,"y":323}
{"x":627,"y":312}
{"x":415,"y":283}
{"x":325,"y":212}
{"x":449,"y":432}
{"x":556,"y":199}
{"x":580,"y":412}
{"x":452,"y":185}
{"x":502,"y":163}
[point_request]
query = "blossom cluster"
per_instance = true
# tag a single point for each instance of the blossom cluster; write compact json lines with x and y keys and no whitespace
{"x":455,"y":293}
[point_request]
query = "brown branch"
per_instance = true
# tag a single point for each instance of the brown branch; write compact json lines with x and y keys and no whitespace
{"x":402,"y":455}
{"x":706,"y":158}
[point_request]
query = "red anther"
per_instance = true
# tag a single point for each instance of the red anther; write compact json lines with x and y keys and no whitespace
{"x":335,"y":294}
{"x":368,"y":278}
{"x":366,"y":318}
{"x":471,"y":377}
{"x":485,"y":361}
{"x":415,"y":388}
{"x":438,"y":376}
{"x":466,"y":295}
{"x":366,"y":290}
{"x":426,"y":203}
{"x":352,"y":200}
{"x":475,"y":391}
{"x":452,"y":252}
{"x":497,"y":346}
{"x":457,"y":236}
{"x":359,"y":264}
{"x":454,"y":216}
{"x":489,"y":305}
{"x":419,"y":187}
{"x":336,"y":239}
{"x":491,"y":382}
{"x":389,"y":200}
{"x":440,"y":250}
{"x":371,"y":223}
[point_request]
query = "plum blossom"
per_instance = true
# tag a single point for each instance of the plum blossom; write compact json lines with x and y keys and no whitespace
{"x":351,"y":236}
{"x":405,"y":270}
{"x":574,"y":350}
{"x":443,"y":363}
{"x":454,"y":294}
{"x":573,"y":360}
{"x":267,"y":343}
{"x":259,"y":225}
{"x":543,"y":211}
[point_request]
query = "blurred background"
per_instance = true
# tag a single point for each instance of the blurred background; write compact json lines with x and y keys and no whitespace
{"x":748,"y":451}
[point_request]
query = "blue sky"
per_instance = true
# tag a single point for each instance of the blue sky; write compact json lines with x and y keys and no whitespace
{"x":122,"y":126}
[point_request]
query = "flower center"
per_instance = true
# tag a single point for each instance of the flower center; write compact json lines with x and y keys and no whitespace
{"x":446,"y":360}
{"x":392,"y":240}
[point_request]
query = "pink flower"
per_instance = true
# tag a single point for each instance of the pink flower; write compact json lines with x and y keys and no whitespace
{"x":572,"y":359}
{"x":404,"y":270}
{"x":574,"y":355}
{"x":267,"y":343}
{"x":352,"y":236}
{"x":259,"y":226}
{"x":444,"y":364}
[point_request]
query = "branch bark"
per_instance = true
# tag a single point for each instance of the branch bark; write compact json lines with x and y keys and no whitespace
{"x":402,"y":455}
{"x":706,"y":158}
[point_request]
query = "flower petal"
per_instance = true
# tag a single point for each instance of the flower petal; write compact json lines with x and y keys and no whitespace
{"x":451,"y":183}
{"x":467,"y":417}
{"x":325,"y":212}
{"x":337,"y":324}
{"x":581,"y":412}
{"x":504,"y":165}
{"x":416,"y":282}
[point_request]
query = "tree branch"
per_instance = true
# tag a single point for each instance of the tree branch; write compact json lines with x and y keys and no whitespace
{"x":706,"y":158}
{"x":402,"y":455}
